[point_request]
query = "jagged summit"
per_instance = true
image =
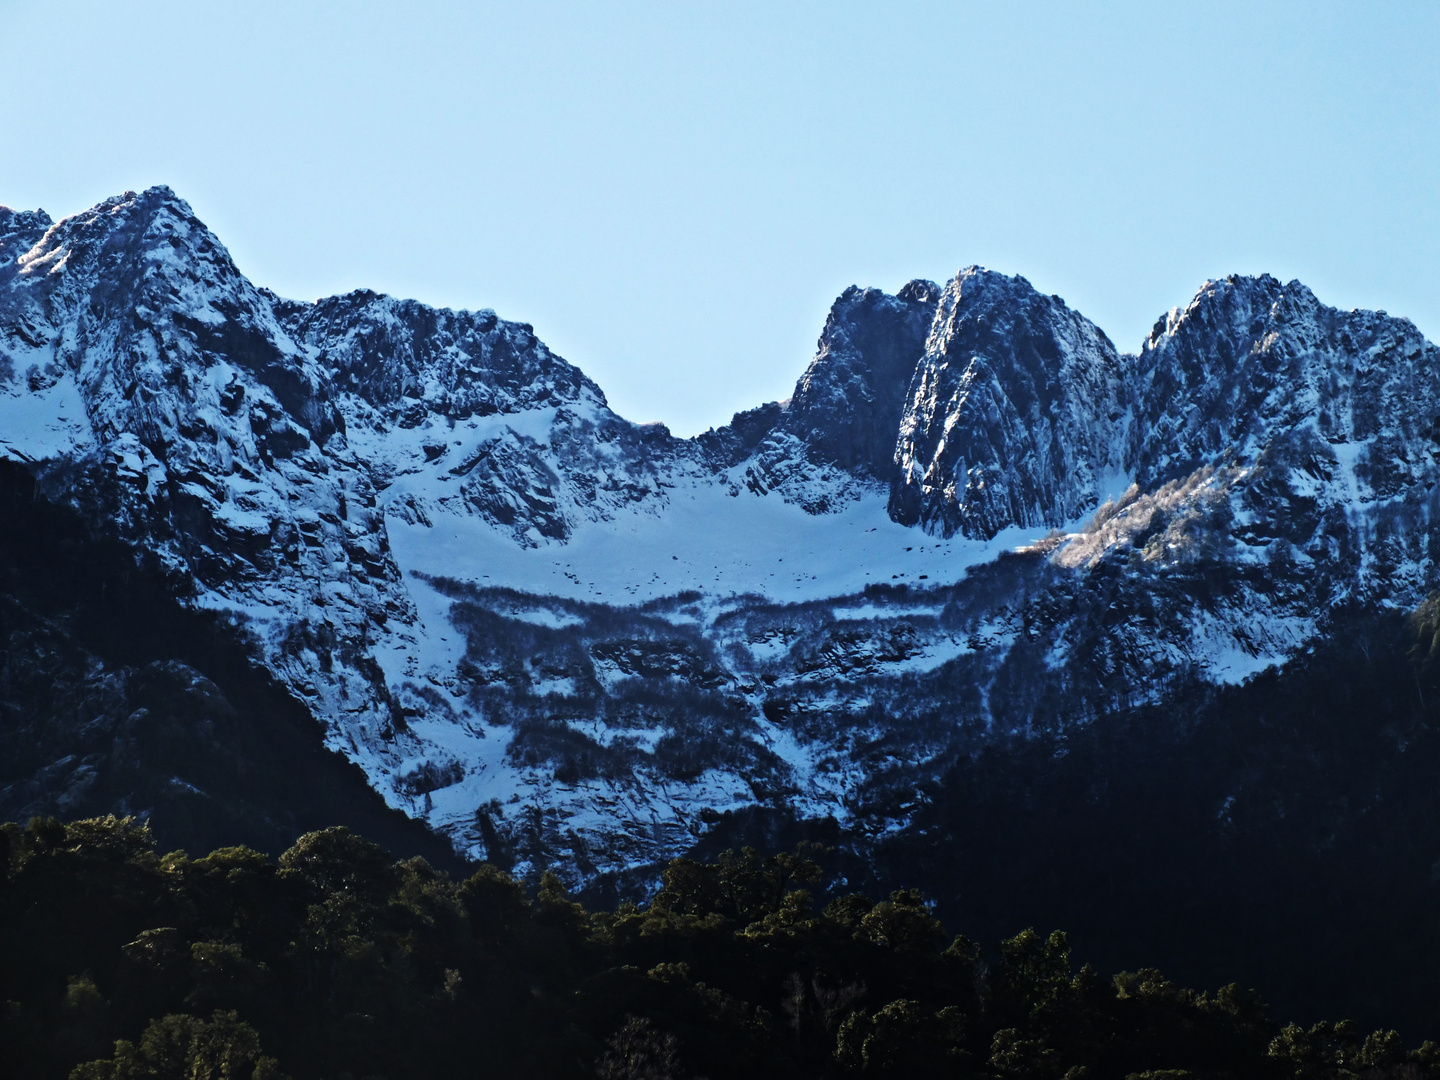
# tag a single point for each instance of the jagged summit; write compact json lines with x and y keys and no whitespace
{"x":842,"y":419}
{"x":1251,"y":357}
{"x":401,"y":355}
{"x":1012,"y":412}
{"x":848,"y":404}
{"x":545,"y":629}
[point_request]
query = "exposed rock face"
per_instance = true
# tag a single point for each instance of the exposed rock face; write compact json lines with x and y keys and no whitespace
{"x":1265,"y":369}
{"x":1016,"y":413}
{"x":839,"y":426}
{"x":557,"y":635}
{"x":20,"y":230}
{"x":849,"y":403}
{"x":166,"y":401}
{"x":409,"y":361}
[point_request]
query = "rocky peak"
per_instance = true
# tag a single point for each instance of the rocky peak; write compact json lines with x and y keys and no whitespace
{"x":145,"y":306}
{"x":182,"y":415}
{"x":408,"y":360}
{"x":839,"y":426}
{"x":729,"y":445}
{"x":113,"y":232}
{"x":1250,"y":366}
{"x":1015,"y":415}
{"x":1195,"y":391}
{"x":847,"y":405}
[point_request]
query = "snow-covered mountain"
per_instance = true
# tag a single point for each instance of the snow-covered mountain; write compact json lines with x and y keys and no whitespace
{"x":554,"y":634}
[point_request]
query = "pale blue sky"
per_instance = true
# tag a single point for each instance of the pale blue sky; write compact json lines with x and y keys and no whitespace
{"x":673,"y":193}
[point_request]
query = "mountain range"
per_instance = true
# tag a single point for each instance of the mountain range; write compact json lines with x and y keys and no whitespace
{"x":241,"y":526}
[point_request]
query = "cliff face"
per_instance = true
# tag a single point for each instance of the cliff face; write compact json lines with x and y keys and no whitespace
{"x":850,"y":402}
{"x":1016,"y":413}
{"x":551,"y":633}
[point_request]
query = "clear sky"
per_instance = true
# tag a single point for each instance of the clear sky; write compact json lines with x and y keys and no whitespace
{"x":673,"y":193}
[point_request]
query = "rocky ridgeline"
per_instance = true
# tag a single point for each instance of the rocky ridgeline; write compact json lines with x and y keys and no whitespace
{"x":554,"y":633}
{"x":1015,"y":413}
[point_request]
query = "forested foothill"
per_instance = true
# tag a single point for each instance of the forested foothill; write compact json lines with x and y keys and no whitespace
{"x":335,"y":961}
{"x":115,"y":697}
{"x":1284,"y":833}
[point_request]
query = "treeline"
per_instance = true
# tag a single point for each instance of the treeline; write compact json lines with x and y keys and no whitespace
{"x":114,"y":694}
{"x":1283,"y":834}
{"x":335,"y":961}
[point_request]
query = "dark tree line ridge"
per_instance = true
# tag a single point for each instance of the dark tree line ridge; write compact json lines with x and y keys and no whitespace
{"x":335,"y":961}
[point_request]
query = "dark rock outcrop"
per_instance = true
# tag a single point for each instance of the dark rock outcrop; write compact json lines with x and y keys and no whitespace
{"x":1016,"y":413}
